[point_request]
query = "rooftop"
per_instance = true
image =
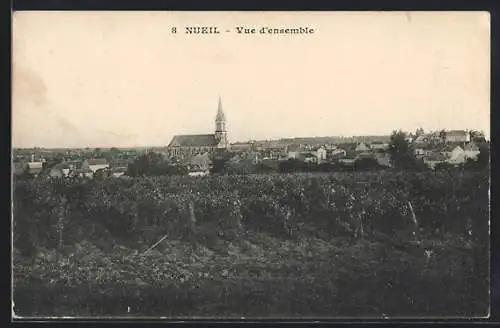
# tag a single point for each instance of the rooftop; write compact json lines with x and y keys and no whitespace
{"x":97,"y":161}
{"x":193,"y":140}
{"x":82,"y":171}
{"x":35,"y":165}
{"x":456,"y":133}
{"x":435,"y":157}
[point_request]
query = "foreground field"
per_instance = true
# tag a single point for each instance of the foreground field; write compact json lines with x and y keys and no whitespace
{"x":254,"y":246}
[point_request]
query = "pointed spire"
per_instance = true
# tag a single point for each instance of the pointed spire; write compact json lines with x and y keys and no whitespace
{"x":220,"y":112}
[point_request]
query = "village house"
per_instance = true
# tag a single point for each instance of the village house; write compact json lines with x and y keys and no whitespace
{"x":276,"y":153}
{"x":310,"y":158}
{"x":447,"y":150}
{"x":457,"y":156}
{"x":95,"y":164}
{"x":457,"y":136}
{"x":362,"y":147}
{"x":329,"y":147}
{"x":336,"y":154}
{"x":379,"y":146}
{"x":321,"y":154}
{"x":59,"y":170}
{"x":435,"y":138}
{"x":82,"y":173}
{"x":73,"y":164}
{"x":238,"y":147}
{"x":34,"y":168}
{"x":423,"y":150}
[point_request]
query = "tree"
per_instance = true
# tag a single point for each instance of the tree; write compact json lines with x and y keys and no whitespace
{"x":400,"y":151}
{"x":25,"y":174}
{"x":290,"y":165}
{"x":442,"y":135}
{"x":100,"y":174}
{"x":483,"y":158}
{"x":366,"y":164}
{"x":477,"y":136}
{"x":419,"y":132}
{"x":262,"y":168}
{"x":220,"y":165}
{"x":145,"y":164}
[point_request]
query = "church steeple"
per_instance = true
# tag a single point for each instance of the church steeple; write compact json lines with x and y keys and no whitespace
{"x":220,"y":113}
{"x":220,"y":119}
{"x":220,"y":126}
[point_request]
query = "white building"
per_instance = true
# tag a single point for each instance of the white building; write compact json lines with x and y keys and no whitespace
{"x":457,"y":156}
{"x":457,"y":136}
{"x":34,"y":167}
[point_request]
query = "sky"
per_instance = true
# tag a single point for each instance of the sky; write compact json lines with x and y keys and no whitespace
{"x":104,"y":79}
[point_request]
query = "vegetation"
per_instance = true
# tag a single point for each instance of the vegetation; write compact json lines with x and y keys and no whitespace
{"x":400,"y":151}
{"x":299,"y":244}
{"x":153,"y":164}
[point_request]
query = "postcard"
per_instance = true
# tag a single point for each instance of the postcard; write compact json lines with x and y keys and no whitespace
{"x":250,"y":165}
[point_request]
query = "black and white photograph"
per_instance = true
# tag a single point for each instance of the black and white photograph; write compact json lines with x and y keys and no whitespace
{"x":250,"y":165}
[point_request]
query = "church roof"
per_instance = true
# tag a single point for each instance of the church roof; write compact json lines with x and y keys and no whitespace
{"x":220,"y":113}
{"x":193,"y":140}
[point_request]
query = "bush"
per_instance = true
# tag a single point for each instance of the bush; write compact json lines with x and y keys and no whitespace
{"x":366,"y":164}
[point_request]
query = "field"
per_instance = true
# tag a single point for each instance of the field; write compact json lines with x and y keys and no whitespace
{"x":395,"y":244}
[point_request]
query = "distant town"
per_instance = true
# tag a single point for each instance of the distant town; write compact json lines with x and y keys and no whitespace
{"x":451,"y":147}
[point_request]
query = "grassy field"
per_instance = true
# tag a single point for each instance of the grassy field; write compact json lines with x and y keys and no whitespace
{"x":264,"y":246}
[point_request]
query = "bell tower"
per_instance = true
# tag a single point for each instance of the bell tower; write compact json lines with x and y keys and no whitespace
{"x":220,"y":126}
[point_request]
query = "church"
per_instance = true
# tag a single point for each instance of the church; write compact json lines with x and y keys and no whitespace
{"x":184,"y":146}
